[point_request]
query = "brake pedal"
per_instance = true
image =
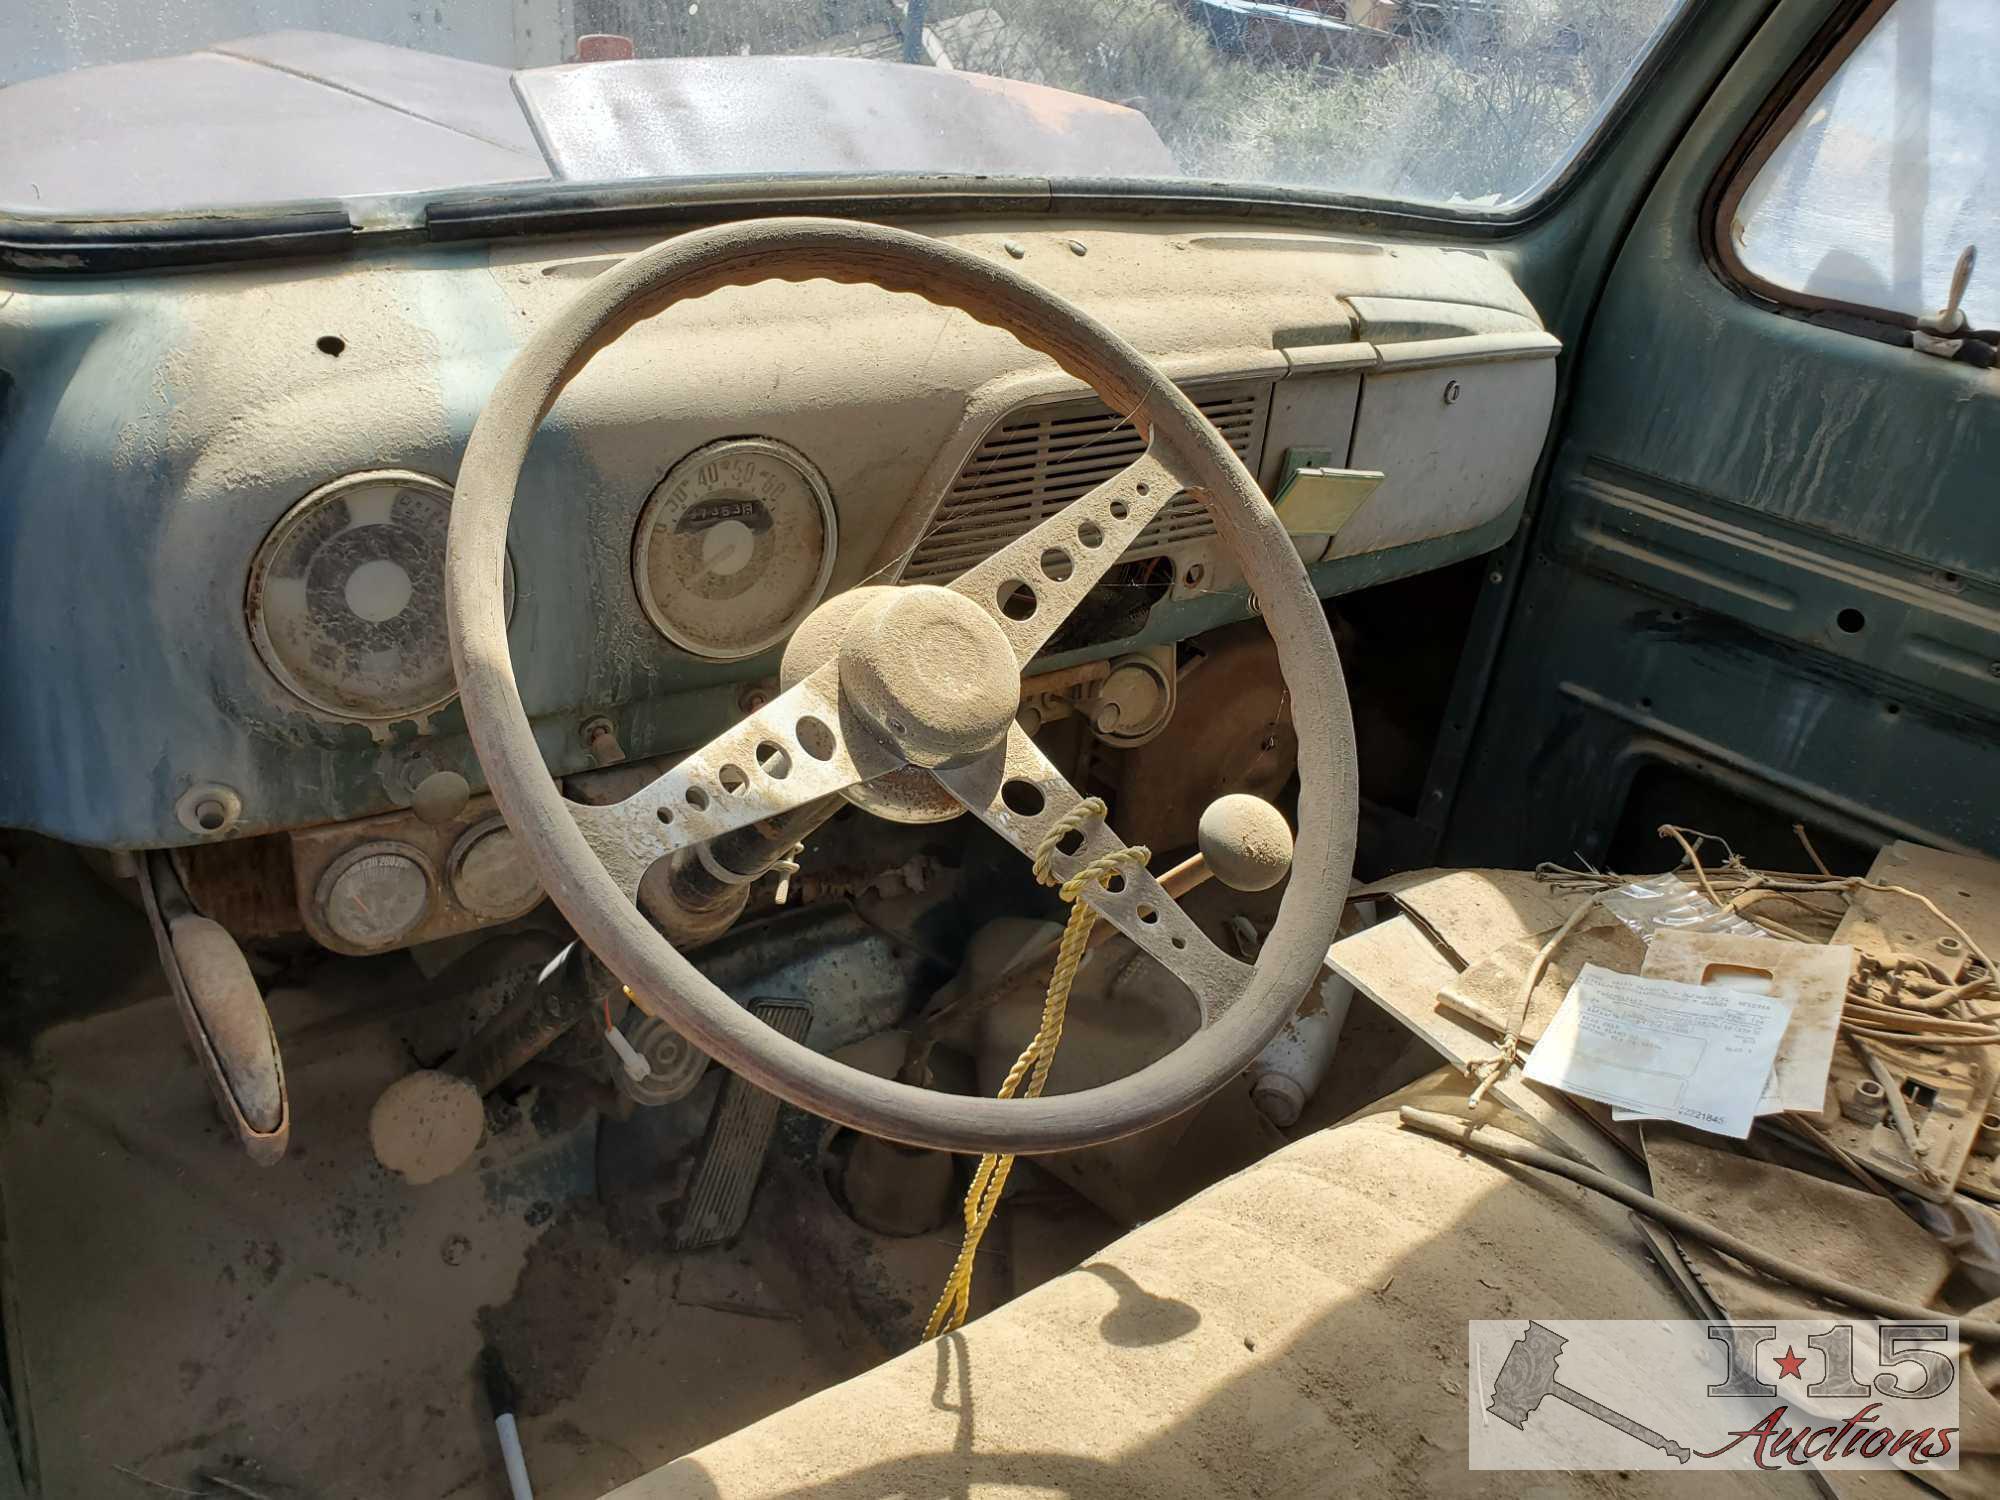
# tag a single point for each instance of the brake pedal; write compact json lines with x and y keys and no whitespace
{"x":738,"y":1139}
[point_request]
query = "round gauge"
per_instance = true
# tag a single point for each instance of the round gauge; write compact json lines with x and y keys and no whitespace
{"x":490,"y":877}
{"x":376,"y":895}
{"x":346,"y":596}
{"x":734,"y":547}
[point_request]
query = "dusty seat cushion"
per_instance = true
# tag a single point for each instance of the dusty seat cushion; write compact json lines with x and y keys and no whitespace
{"x":1298,"y":1329}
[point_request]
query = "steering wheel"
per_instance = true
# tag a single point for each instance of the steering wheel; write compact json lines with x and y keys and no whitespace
{"x":921,"y":681}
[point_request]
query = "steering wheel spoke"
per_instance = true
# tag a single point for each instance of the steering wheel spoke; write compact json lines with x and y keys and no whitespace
{"x":1031,"y":585}
{"x":794,"y":750}
{"x":1018,"y":793}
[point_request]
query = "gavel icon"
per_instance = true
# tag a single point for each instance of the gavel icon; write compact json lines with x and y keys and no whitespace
{"x":1529,"y":1373}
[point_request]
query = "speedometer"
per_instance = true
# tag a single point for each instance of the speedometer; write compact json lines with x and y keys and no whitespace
{"x":734,"y":547}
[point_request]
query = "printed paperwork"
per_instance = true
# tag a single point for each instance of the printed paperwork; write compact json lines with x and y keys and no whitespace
{"x":1697,"y":1056}
{"x":1811,"y":979}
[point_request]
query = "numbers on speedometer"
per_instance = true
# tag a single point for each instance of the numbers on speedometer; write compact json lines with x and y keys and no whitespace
{"x":734,"y":547}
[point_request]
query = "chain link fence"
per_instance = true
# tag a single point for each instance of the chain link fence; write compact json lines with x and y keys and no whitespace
{"x":1439,"y":100}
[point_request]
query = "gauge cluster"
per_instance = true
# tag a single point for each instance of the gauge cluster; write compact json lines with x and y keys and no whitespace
{"x":730,"y":551}
{"x":345,"y":601}
{"x":380,"y":883}
{"x":735,"y":547}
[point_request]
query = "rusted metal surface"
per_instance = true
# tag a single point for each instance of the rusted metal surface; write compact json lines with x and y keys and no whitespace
{"x":699,"y":116}
{"x":1232,"y":733}
{"x":245,"y":884}
{"x":438,"y":848}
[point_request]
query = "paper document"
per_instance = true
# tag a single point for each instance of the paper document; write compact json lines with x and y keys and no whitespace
{"x":1697,"y":1056}
{"x":1810,"y":978}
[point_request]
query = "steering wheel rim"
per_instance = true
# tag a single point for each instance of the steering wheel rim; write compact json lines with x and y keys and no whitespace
{"x":663,"y":981}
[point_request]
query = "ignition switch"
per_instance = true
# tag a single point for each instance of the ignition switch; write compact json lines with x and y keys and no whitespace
{"x":1133,"y":703}
{"x":1126,"y":701}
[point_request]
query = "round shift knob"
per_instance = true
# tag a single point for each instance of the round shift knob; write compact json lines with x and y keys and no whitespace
{"x":427,"y":1125}
{"x":1246,"y":841}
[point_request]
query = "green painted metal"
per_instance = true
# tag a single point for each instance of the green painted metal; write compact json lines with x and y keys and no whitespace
{"x":1725,"y":482}
{"x":1763,"y":577}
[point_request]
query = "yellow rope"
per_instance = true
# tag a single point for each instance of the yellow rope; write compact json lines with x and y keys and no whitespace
{"x":990,"y":1181}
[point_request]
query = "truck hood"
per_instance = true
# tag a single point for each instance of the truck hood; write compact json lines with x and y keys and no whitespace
{"x":298,"y":116}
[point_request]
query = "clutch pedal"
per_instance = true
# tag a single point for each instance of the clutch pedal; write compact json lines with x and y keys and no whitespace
{"x":738,"y":1139}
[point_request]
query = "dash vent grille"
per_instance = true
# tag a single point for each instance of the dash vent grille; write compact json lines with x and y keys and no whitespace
{"x":1041,"y":458}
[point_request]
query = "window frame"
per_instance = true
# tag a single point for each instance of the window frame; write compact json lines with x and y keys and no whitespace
{"x":1787,"y":104}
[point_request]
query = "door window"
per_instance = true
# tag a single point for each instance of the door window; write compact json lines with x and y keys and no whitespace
{"x":1885,"y":175}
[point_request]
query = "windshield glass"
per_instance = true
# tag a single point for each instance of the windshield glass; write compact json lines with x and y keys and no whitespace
{"x":131,"y":108}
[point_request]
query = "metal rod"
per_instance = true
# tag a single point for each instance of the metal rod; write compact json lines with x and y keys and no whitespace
{"x":528,"y":1024}
{"x":1488,"y":1140}
{"x":746,"y":853}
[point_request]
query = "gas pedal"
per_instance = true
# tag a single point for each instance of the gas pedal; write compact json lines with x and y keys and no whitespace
{"x":738,"y":1139}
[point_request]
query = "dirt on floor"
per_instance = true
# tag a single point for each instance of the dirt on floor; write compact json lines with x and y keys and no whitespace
{"x":177,"y":1312}
{"x":179,"y":1319}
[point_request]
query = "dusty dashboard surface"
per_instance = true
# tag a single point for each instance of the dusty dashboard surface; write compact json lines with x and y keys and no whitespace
{"x":229,"y":492}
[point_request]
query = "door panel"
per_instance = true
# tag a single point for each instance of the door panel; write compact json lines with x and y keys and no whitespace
{"x":1766,"y":574}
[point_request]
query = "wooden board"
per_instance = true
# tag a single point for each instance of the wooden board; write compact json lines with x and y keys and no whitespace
{"x":1811,"y":978}
{"x":1471,"y":913}
{"x":1964,"y":886}
{"x":1397,"y":967}
{"x":1490,"y":991}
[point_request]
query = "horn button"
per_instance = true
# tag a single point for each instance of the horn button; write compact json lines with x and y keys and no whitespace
{"x":932,"y":672}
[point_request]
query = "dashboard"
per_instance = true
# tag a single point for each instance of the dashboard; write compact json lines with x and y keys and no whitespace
{"x":226,"y":494}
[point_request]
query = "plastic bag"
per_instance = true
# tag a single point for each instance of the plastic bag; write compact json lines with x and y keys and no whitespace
{"x":1667,"y":901}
